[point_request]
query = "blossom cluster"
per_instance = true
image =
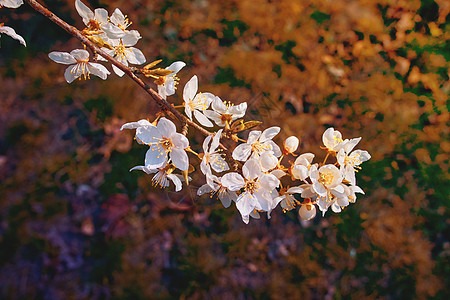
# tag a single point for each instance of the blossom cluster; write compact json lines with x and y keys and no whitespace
{"x":254,"y":173}
{"x":6,"y":29}
{"x":111,"y":34}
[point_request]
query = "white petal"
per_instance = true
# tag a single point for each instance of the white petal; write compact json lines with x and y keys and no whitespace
{"x":176,"y":181}
{"x":278,"y":173}
{"x":135,"y":56}
{"x":238,"y":111}
{"x":295,"y":190}
{"x":304,"y":159}
{"x":118,"y":71}
{"x":188,"y":111}
{"x":242,"y":152}
{"x":190,"y":89}
{"x":233,"y":181}
{"x":179,"y":159}
{"x":148,"y":134}
{"x":80,"y":54}
{"x":268,"y":161}
{"x":84,"y":11}
{"x":218,"y":164}
{"x":98,"y":70}
{"x":226,"y":198}
{"x":166,"y":127}
{"x":176,"y":67}
{"x":11,"y":3}
{"x":269,"y":134}
{"x":300,"y":172}
{"x":306,"y":214}
{"x":101,"y":15}
{"x":216,"y":141}
{"x":214,"y":116}
{"x":202,"y":119}
{"x":11,"y":32}
{"x":179,"y":141}
{"x":71,"y":74}
{"x":253,"y":136}
{"x":251,"y":169}
{"x":204,"y":189}
{"x":62,"y":57}
{"x":112,"y":31}
{"x":219,"y":106}
{"x":246,"y":203}
{"x":155,"y":157}
{"x":269,"y":182}
{"x":206,"y":143}
{"x":134,"y":125}
{"x":348,"y":147}
{"x":320,"y":189}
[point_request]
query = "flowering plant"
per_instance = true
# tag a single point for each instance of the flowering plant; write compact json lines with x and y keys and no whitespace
{"x":255,"y":173}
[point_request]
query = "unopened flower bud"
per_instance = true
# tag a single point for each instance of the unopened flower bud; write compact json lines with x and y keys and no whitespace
{"x":290,"y":145}
{"x":307,"y":211}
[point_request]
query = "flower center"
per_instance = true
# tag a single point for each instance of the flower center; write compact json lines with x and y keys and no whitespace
{"x":326,"y":178}
{"x":225,"y":118}
{"x":166,"y":144}
{"x":93,"y":25}
{"x":120,"y":52}
{"x":81,"y":69}
{"x":260,"y":148}
{"x":251,"y":186}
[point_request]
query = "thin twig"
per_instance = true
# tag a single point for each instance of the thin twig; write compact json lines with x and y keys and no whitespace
{"x":166,"y":106}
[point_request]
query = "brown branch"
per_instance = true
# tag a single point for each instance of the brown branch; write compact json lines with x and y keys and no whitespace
{"x":166,"y":106}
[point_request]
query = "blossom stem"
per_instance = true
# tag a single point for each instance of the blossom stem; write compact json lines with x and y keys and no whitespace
{"x":326,"y":157}
{"x":155,"y":96}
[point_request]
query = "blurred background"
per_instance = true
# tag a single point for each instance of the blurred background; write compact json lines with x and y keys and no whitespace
{"x":75,"y":224}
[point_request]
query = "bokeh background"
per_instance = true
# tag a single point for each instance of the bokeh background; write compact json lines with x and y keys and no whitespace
{"x":75,"y":224}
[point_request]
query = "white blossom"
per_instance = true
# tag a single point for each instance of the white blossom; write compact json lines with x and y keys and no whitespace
{"x":170,"y":81}
{"x":332,"y":139}
{"x":258,"y":143}
{"x":124,"y":52}
{"x":216,"y":188}
{"x":196,"y":103}
{"x":225,"y":113}
{"x":162,"y":176}
{"x":307,"y":210}
{"x":10,"y":31}
{"x":118,"y":26}
{"x":290,"y":145}
{"x":286,"y":199}
{"x":78,"y":60}
{"x":258,"y":188}
{"x":351,"y":161}
{"x":164,"y":142}
{"x":211,"y":157}
{"x":326,"y":180}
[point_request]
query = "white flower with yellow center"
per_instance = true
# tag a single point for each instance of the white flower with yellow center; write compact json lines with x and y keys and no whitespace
{"x":120,"y":21}
{"x":211,"y":157}
{"x":214,"y":186}
{"x":286,"y":199}
{"x":224,"y":113}
{"x":11,"y":3}
{"x":162,"y":176}
{"x":168,"y":84}
{"x":351,"y":161}
{"x":164,"y":142}
{"x":259,"y":189}
{"x":12,"y":33}
{"x":80,"y":66}
{"x":332,"y":139}
{"x":258,"y":143}
{"x":124,"y":52}
{"x":95,"y":20}
{"x":196,"y":103}
{"x":326,"y":180}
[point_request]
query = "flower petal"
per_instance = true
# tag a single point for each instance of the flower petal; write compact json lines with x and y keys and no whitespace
{"x":218,"y":105}
{"x":134,"y":125}
{"x":71,"y":73}
{"x":233,"y":181}
{"x":84,"y":11}
{"x":202,"y":119}
{"x":62,"y":58}
{"x":242,"y":152}
{"x":190,"y":89}
{"x":269,"y":134}
{"x":176,"y":67}
{"x":98,"y":70}
{"x":179,"y":159}
{"x":155,"y":157}
{"x":166,"y":127}
{"x":176,"y":181}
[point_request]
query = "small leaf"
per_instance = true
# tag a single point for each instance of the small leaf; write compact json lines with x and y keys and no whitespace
{"x":241,"y":125}
{"x":152,"y":64}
